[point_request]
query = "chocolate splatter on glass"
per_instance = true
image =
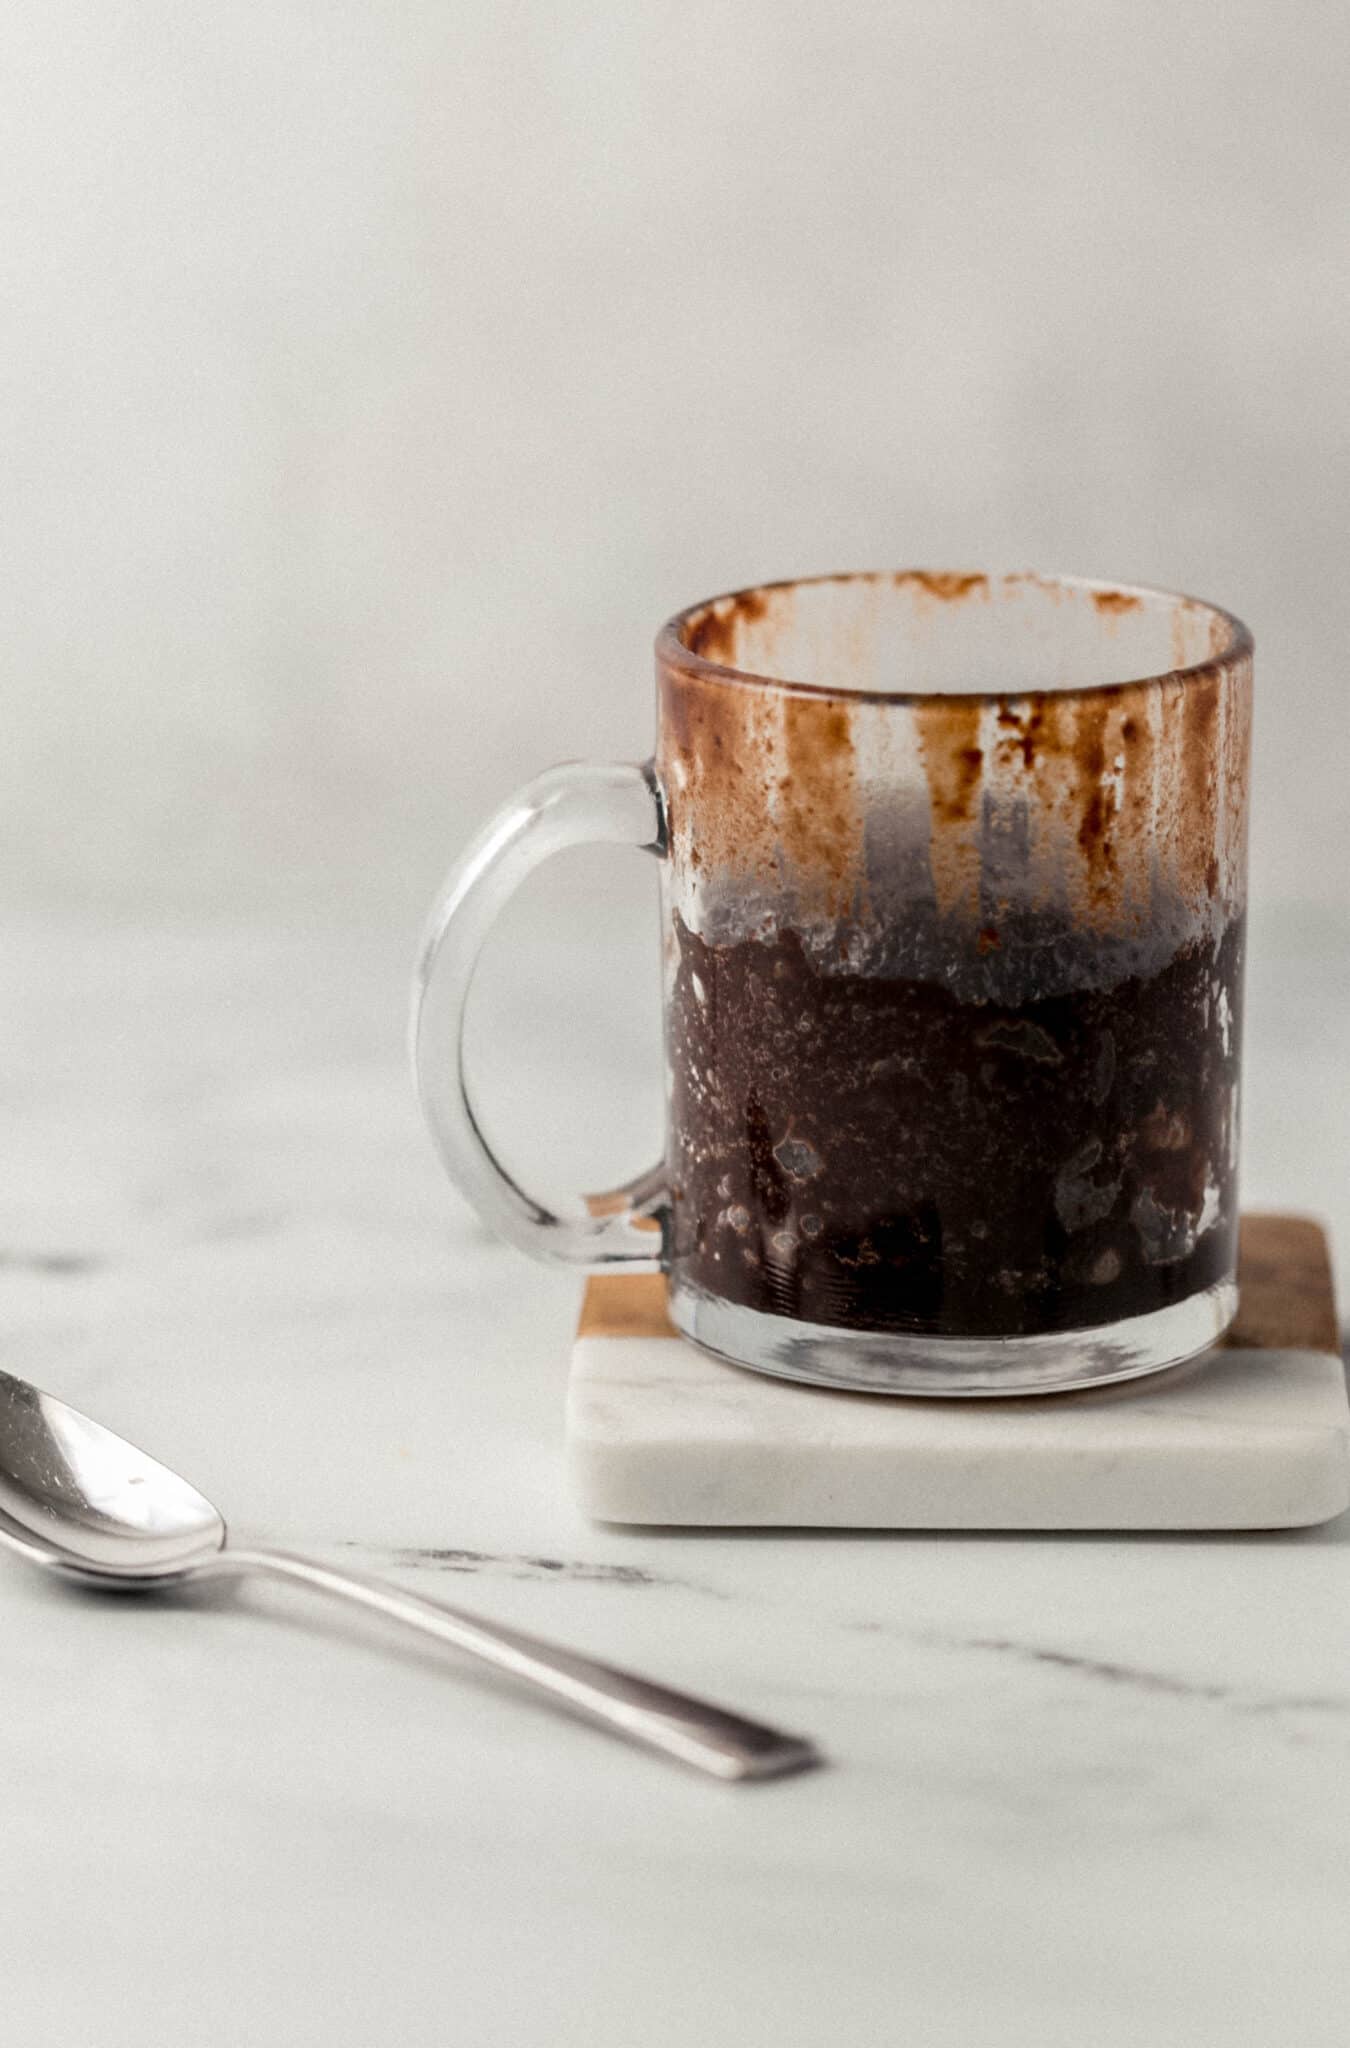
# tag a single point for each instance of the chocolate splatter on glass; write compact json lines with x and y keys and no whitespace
{"x":954,"y":885}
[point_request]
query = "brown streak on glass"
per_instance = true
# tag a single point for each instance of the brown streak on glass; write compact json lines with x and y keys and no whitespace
{"x":947,"y":584}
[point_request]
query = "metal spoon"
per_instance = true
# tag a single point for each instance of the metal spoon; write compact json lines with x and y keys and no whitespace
{"x":77,"y":1498}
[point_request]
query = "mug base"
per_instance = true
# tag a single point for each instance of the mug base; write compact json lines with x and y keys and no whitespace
{"x":953,"y":1368}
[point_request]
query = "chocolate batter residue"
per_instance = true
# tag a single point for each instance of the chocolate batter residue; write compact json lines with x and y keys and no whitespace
{"x":887,"y":1154}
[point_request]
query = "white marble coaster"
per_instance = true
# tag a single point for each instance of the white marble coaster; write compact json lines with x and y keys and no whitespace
{"x":659,"y":1432}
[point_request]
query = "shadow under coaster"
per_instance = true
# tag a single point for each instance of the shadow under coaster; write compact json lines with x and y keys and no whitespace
{"x":1253,"y":1435}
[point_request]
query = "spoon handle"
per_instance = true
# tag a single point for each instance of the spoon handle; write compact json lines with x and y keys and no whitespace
{"x":710,"y":1738}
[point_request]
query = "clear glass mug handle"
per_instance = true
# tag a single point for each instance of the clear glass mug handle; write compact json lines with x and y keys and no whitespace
{"x":584,"y":803}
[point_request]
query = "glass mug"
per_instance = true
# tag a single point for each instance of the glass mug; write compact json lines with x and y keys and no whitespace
{"x":953,"y":894}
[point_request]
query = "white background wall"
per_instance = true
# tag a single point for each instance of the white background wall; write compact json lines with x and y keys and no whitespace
{"x":376,"y":374}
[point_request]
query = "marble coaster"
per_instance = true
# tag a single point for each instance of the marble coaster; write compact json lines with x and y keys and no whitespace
{"x":1254,"y":1435}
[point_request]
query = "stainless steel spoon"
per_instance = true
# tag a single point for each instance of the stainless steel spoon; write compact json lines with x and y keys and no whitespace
{"x":77,"y":1498}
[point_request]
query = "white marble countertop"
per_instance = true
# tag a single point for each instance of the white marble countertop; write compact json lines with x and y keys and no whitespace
{"x":1083,"y":1789}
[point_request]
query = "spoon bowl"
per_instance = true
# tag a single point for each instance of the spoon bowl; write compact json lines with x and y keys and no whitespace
{"x":74,"y":1495}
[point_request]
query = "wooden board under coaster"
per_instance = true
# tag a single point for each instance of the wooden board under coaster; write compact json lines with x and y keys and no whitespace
{"x":1254,"y":1435}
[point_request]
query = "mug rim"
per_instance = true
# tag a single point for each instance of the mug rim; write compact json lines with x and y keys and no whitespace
{"x":948,"y":586}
